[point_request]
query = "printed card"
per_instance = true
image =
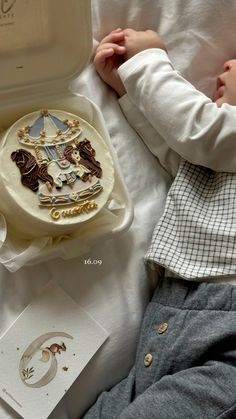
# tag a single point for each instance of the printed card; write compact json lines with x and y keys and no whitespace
{"x":44,"y":352}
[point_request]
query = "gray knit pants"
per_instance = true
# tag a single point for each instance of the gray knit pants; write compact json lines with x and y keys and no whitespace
{"x":185,"y":365}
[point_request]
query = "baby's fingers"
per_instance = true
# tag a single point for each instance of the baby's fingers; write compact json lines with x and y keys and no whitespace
{"x":103,"y":54}
{"x":115,"y":36}
{"x":101,"y":57}
{"x":103,"y":61}
{"x":118,"y":49}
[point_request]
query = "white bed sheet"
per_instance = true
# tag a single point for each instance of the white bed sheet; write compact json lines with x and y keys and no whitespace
{"x":199,"y":36}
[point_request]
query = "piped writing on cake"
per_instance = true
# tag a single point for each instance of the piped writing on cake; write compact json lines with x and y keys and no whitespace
{"x":85,"y":207}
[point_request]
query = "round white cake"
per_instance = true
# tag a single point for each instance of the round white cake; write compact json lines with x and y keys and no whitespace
{"x":56,"y":173}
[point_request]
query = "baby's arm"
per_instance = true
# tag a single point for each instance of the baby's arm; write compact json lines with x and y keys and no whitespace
{"x":168,"y":158}
{"x":109,"y":54}
{"x":190,"y":123}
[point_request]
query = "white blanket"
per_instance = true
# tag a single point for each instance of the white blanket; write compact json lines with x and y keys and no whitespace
{"x":200,"y":36}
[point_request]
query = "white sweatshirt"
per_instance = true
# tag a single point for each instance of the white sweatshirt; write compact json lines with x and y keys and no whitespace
{"x":174,"y":118}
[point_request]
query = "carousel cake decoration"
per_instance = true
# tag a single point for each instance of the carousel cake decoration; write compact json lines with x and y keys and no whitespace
{"x":49,"y":129}
{"x":57,"y":175}
{"x":57,"y":165}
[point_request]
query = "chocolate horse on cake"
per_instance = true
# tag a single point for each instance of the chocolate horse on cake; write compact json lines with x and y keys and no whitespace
{"x":83,"y":154}
{"x":31,"y":172}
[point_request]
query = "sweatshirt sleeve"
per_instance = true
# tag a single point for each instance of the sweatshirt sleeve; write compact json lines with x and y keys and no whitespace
{"x":168,"y":158}
{"x":187,"y":120}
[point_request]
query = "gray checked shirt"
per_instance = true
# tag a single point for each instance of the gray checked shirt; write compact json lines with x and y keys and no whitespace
{"x":196,"y":236}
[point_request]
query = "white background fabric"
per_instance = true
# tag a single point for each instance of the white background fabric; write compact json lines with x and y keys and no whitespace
{"x":199,"y":35}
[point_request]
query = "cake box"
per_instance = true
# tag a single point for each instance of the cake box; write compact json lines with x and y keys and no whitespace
{"x":44,"y":46}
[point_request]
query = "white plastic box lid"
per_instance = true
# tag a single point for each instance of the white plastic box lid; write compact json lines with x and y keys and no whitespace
{"x":38,"y":61}
{"x":43,"y":55}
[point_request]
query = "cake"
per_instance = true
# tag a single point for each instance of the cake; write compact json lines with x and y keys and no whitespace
{"x":56,"y":174}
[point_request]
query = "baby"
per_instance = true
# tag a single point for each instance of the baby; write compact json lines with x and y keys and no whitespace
{"x":185,"y":364}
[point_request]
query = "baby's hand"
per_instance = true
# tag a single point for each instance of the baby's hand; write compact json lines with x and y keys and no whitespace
{"x":137,"y":41}
{"x":108,"y":57}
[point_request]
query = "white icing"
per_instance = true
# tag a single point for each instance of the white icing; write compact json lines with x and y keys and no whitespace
{"x":20,"y":205}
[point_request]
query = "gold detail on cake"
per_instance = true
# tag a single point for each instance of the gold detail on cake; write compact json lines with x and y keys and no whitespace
{"x":69,"y":198}
{"x":74,"y":197}
{"x":59,"y":152}
{"x":20,"y":133}
{"x":44,"y":112}
{"x":45,"y":200}
{"x":61,"y":200}
{"x":38,"y":154}
{"x":43,"y":134}
{"x":85,"y":207}
{"x":49,"y":186}
{"x":55,"y":214}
